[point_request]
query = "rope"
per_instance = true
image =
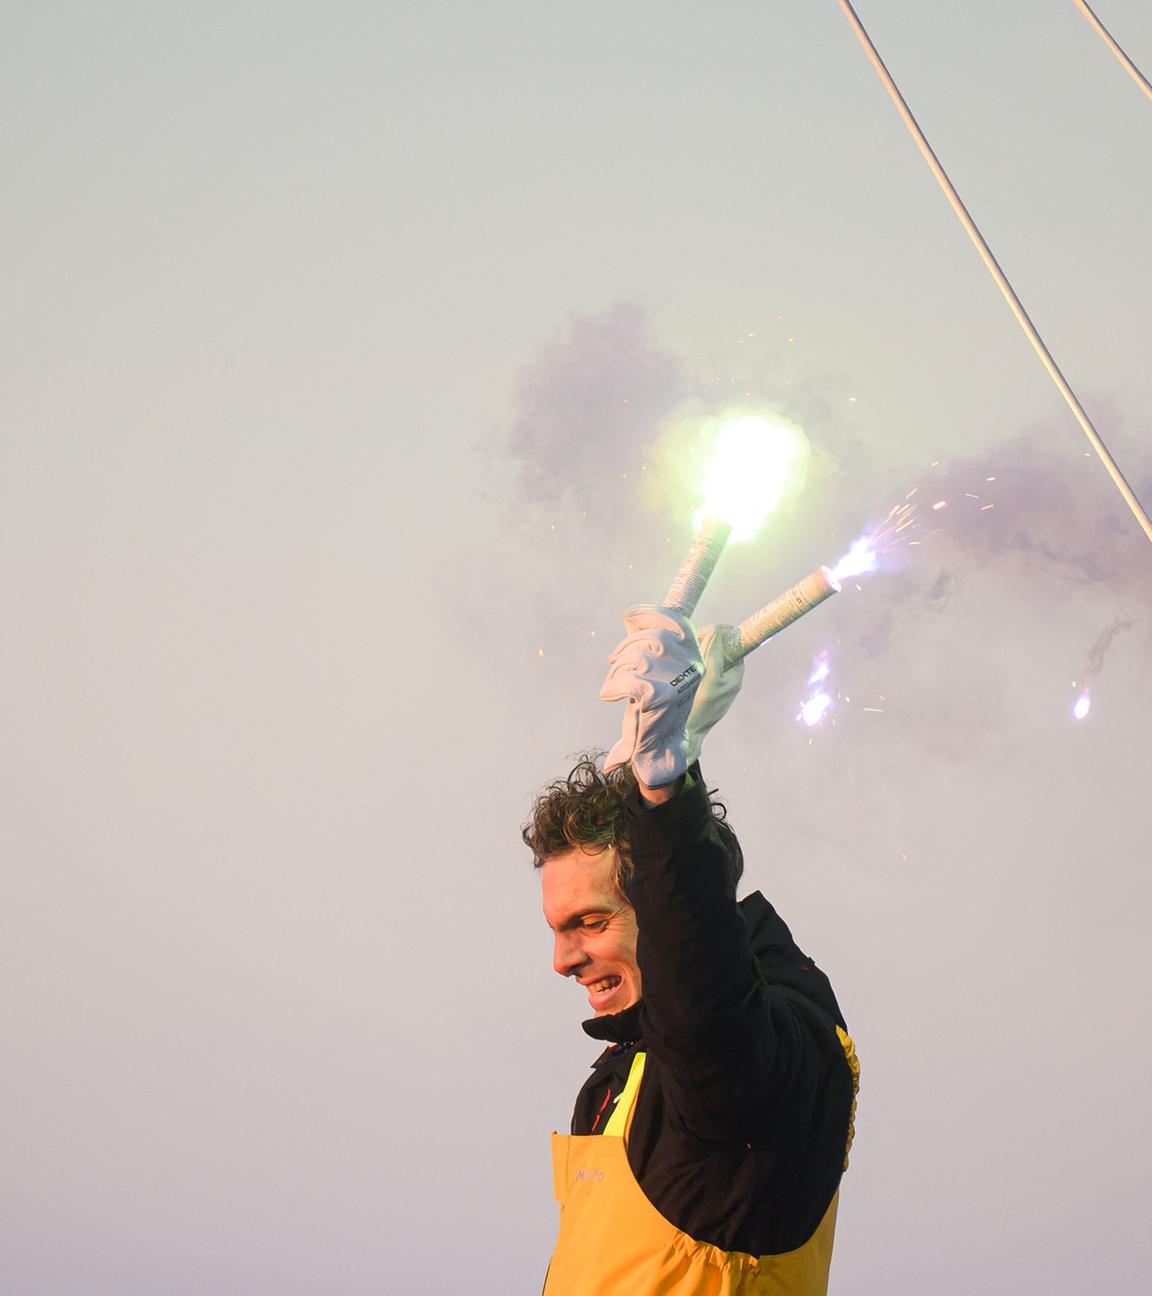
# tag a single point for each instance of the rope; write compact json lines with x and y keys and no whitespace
{"x":1005,"y":287}
{"x":1125,"y":62}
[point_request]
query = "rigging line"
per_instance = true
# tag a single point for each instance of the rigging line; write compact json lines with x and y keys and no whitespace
{"x":1002,"y":283}
{"x":1105,"y":35}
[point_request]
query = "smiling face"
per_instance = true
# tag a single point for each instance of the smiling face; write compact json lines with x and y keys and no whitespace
{"x":594,"y":926}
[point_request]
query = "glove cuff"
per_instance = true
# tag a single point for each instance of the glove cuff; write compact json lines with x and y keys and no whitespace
{"x":658,"y":769}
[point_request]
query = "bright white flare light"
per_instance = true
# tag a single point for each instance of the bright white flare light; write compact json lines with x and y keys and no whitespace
{"x":859,"y":560}
{"x":753,"y":461}
{"x":812,"y":712}
{"x":1082,"y":707}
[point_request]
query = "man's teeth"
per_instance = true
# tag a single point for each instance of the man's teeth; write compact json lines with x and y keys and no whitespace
{"x":597,"y":987}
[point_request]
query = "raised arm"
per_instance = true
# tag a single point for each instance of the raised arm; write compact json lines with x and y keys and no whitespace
{"x":728,"y":1040}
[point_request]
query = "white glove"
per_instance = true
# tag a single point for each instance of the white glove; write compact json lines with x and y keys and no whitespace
{"x":656,"y":670}
{"x":717,"y":689}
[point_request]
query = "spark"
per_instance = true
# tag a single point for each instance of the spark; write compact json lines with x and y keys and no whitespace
{"x":1118,"y":625}
{"x":815,"y":707}
{"x":940,"y":504}
{"x":812,"y":712}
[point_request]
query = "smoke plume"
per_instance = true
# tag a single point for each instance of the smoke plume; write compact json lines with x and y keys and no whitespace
{"x":1031,"y":528}
{"x":1100,"y":648}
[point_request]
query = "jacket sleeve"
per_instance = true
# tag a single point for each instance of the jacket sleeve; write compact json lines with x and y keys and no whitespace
{"x":735,"y":1052}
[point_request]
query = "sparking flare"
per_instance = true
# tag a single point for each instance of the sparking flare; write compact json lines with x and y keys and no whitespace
{"x":860,"y":559}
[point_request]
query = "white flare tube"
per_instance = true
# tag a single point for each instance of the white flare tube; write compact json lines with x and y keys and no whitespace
{"x":698,"y":565}
{"x":781,"y":612}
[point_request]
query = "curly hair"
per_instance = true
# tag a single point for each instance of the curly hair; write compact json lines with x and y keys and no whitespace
{"x":586,"y":809}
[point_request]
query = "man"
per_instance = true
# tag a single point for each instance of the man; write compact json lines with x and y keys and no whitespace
{"x":708,"y":1143}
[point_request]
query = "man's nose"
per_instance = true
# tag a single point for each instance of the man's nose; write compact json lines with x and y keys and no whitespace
{"x":567,"y":956}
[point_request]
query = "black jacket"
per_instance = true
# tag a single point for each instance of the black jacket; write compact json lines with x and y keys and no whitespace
{"x":741,"y":1124}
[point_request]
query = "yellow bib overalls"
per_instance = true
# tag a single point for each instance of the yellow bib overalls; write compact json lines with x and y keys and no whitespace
{"x":614,"y":1242}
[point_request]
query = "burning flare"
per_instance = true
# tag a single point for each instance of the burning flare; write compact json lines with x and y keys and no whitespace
{"x":860,"y":559}
{"x":754,"y":461}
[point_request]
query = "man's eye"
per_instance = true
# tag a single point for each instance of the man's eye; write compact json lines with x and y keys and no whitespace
{"x":595,"y":924}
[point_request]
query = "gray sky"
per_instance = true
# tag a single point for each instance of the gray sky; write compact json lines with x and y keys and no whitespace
{"x":329,"y":334}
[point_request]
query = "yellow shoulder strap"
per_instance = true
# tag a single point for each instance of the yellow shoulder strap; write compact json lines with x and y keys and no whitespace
{"x":618,"y":1121}
{"x":846,"y":1043}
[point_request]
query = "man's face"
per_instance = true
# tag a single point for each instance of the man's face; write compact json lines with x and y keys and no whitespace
{"x":595,"y":928}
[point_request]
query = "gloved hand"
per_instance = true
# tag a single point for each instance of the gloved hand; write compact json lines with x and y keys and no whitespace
{"x":717,"y":689}
{"x":656,"y":670}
